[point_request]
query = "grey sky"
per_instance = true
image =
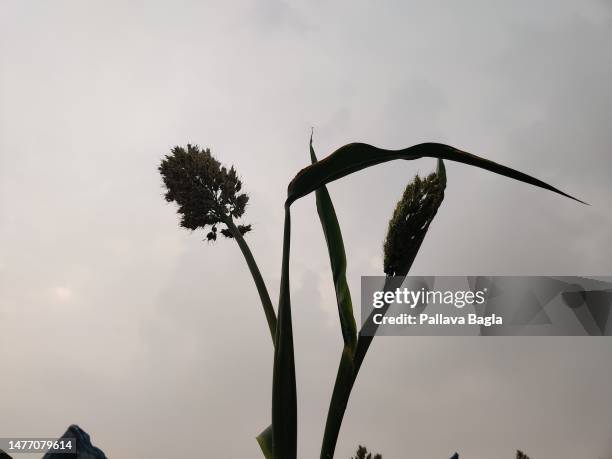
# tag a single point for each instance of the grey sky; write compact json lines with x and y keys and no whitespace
{"x":153,"y":341}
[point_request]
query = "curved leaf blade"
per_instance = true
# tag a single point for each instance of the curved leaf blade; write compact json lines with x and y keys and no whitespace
{"x":356,"y":156}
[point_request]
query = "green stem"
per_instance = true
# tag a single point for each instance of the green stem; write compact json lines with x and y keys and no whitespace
{"x":339,"y":401}
{"x":259,"y":282}
{"x":345,"y":379}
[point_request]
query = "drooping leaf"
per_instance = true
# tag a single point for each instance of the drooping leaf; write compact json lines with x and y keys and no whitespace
{"x":356,"y":156}
{"x":337,"y":258}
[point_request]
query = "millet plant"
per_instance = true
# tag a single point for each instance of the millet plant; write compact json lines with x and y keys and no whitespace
{"x":209,"y":197}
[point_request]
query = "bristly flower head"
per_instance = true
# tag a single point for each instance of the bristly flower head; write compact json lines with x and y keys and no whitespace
{"x":411,"y":219}
{"x":206,"y":192}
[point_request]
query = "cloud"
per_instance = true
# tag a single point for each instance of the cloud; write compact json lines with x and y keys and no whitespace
{"x":168,"y":336}
{"x":63,"y":294}
{"x":273,"y":16}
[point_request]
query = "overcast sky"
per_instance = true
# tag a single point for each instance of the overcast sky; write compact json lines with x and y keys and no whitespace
{"x":113,"y":317}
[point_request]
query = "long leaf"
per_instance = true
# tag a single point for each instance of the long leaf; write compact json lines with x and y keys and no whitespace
{"x":284,"y":397}
{"x":356,"y":156}
{"x":337,"y":258}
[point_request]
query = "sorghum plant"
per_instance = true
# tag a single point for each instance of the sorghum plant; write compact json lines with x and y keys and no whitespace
{"x":208,"y":195}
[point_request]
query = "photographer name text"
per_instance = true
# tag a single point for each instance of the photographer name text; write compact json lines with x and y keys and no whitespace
{"x":415,"y":298}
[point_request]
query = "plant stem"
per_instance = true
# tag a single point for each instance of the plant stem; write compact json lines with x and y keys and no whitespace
{"x":345,"y":379}
{"x":259,"y":282}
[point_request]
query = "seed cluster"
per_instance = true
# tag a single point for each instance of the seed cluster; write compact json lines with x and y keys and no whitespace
{"x":411,"y":218}
{"x":206,"y":192}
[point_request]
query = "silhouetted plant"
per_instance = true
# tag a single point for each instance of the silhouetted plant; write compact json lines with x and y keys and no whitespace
{"x":208,"y":195}
{"x":521,"y":455}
